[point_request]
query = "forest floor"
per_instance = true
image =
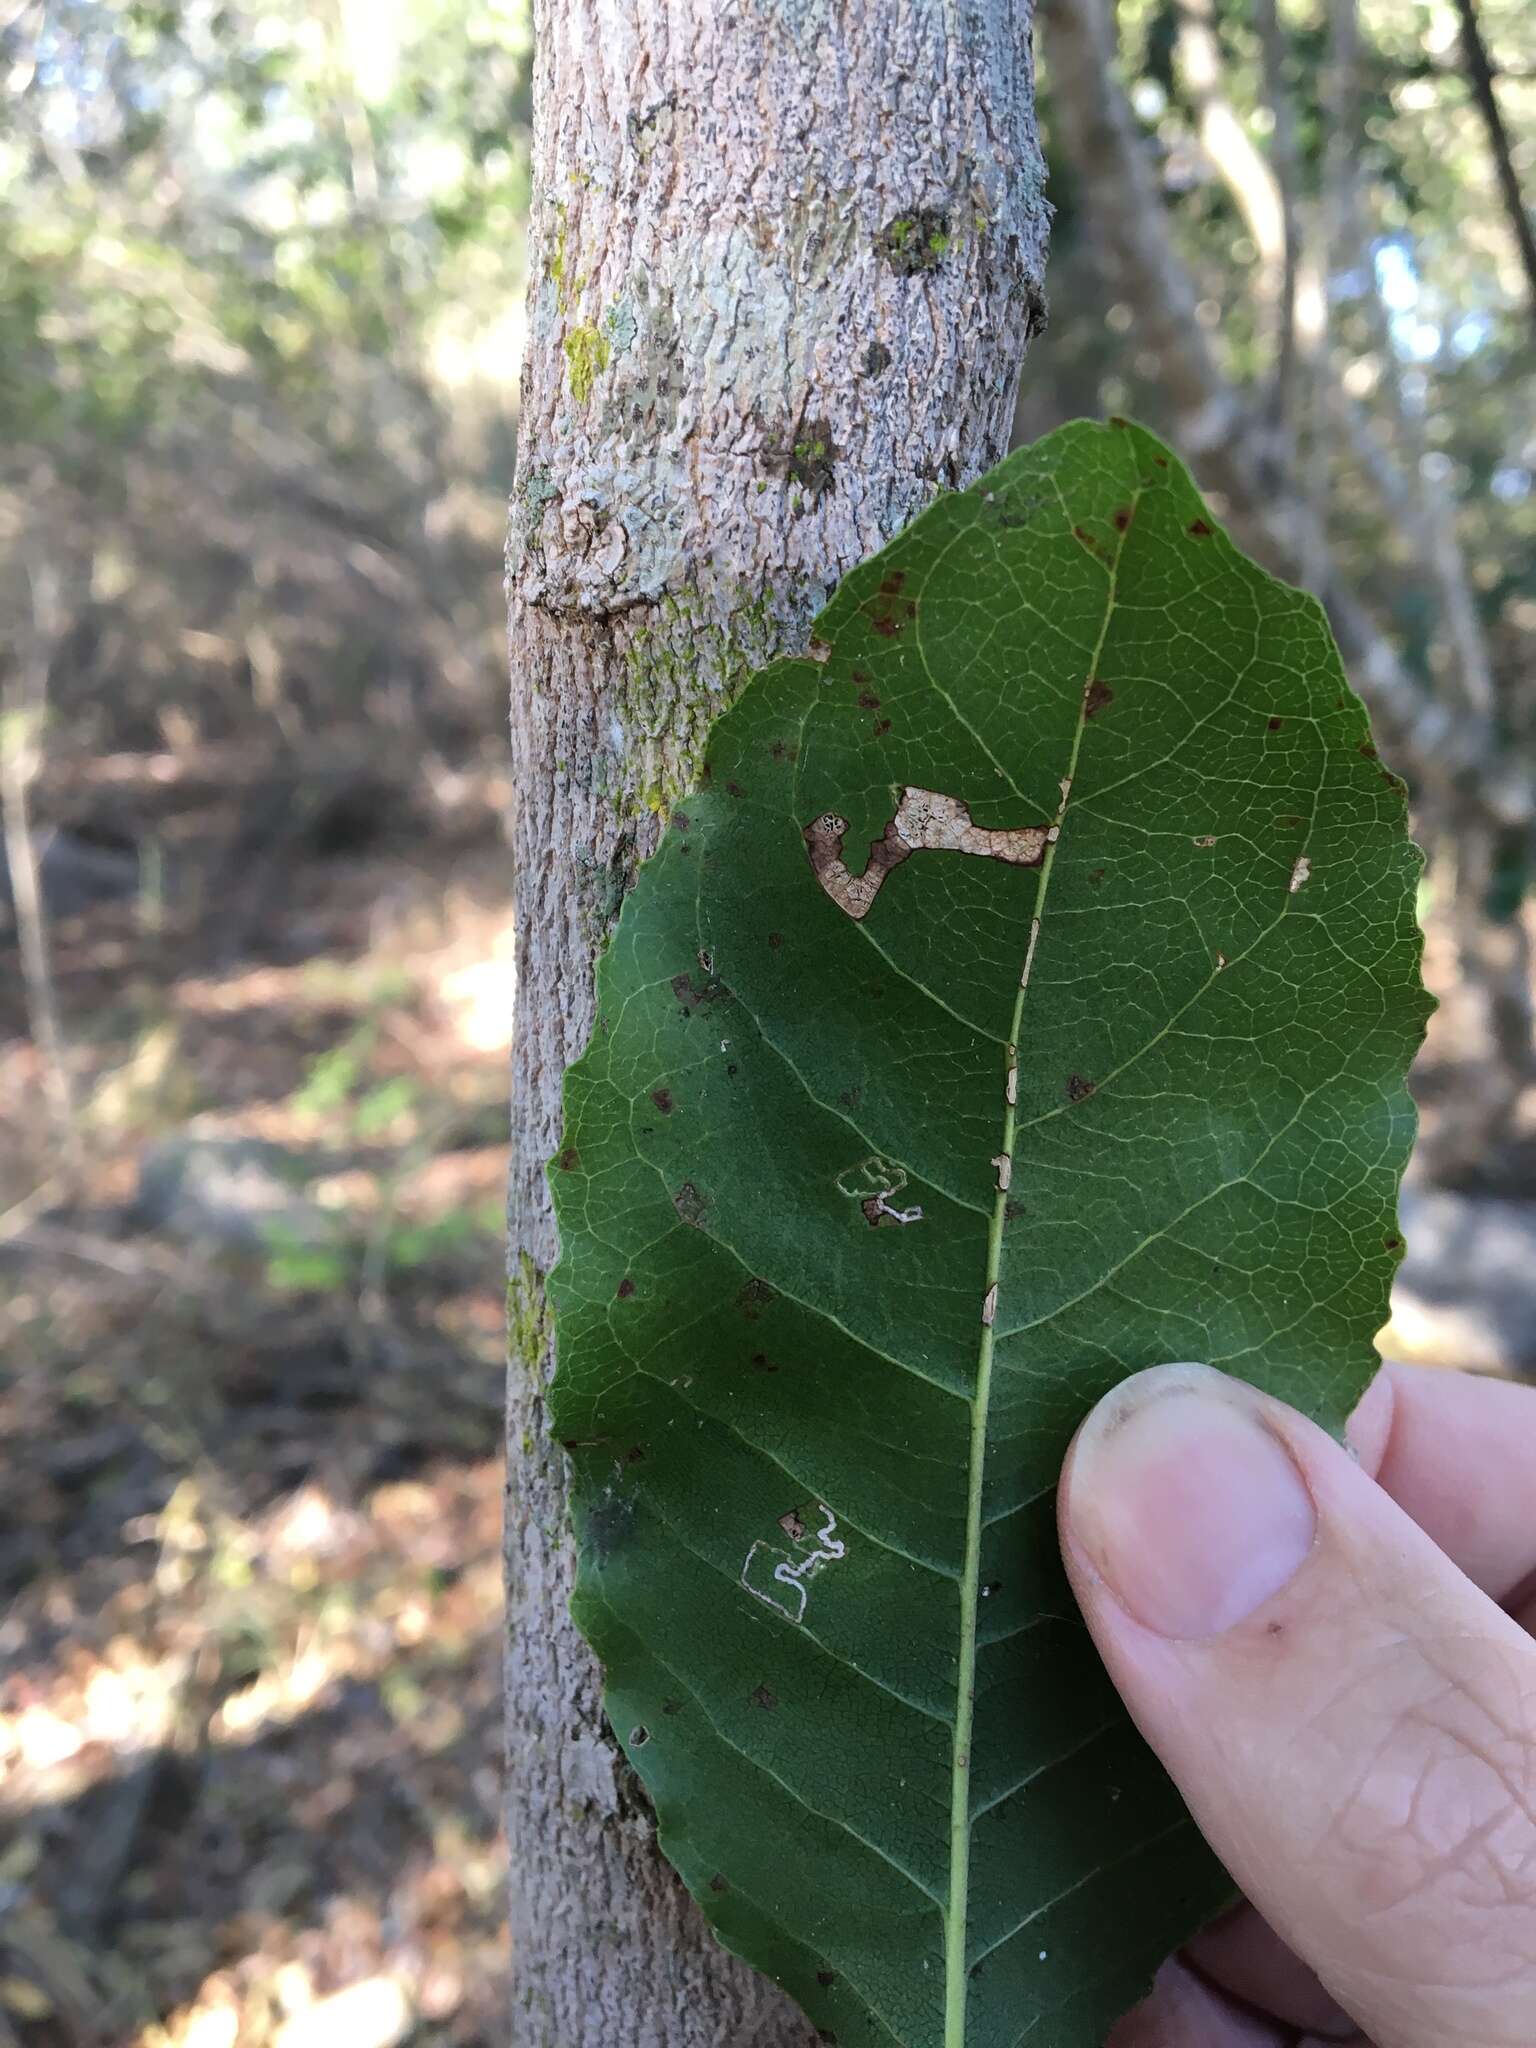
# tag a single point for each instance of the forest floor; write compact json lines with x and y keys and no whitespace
{"x":250,"y":1743}
{"x":250,"y":1735}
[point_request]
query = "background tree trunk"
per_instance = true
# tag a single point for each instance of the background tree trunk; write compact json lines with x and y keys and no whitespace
{"x":1460,"y":759}
{"x":786,"y":260}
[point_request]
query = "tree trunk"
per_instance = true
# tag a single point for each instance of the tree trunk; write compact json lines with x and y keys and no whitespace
{"x":786,"y":260}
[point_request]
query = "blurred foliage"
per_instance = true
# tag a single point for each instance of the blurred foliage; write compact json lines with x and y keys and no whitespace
{"x":1442,"y":337}
{"x":260,"y":268}
{"x":261,"y":280}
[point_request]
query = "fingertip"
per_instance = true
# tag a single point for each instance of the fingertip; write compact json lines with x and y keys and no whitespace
{"x":1181,"y":1501}
{"x":1457,"y":1452}
{"x":1242,"y":1955}
{"x":1184,"y":2012}
{"x":1369,"y":1429}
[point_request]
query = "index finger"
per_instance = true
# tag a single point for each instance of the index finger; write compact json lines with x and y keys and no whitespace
{"x":1457,"y":1452}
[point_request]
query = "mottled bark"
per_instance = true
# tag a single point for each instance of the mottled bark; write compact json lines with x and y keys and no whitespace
{"x":786,"y":260}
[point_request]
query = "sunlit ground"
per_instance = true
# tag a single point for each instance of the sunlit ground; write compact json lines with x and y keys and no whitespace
{"x":249,"y":1554}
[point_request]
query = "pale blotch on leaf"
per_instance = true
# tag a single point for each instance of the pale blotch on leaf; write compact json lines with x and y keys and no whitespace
{"x":925,"y":820}
{"x":781,"y":1581}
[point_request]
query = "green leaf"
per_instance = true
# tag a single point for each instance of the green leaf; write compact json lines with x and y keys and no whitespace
{"x":873,"y":1183}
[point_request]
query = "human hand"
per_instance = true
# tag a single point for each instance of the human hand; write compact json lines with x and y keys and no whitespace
{"x":1319,"y":1651}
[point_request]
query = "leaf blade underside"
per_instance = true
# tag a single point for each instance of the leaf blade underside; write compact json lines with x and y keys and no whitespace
{"x":876,"y":1175}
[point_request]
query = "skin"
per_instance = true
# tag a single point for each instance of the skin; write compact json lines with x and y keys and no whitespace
{"x":1332,"y":1653}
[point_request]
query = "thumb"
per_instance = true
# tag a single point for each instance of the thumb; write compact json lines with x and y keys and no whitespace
{"x":1352,"y":1723}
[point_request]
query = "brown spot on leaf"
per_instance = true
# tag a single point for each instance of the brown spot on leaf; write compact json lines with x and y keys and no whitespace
{"x":826,"y":1977}
{"x":888,"y":611}
{"x":1012,"y":1210}
{"x":662,"y":1097}
{"x":690,"y":1205}
{"x":1368,"y":750}
{"x":1122,"y":517}
{"x":671,"y":1706}
{"x":1096,"y":876}
{"x":718,"y":1884}
{"x":570,"y":1159}
{"x":761,"y":1362}
{"x":754,"y":1298}
{"x":1116,"y":421}
{"x":1275,"y":724}
{"x":1097,"y":695}
{"x":881,"y":728}
{"x":775,"y":941}
{"x":1391,"y":1243}
{"x":868,"y":701}
{"x":625,"y":1288}
{"x":1161,"y":461}
{"x":690,"y":995}
{"x":634,"y":1454}
{"x":682,"y":821}
{"x":1199,"y":529}
{"x":1079,"y":1088}
{"x":734,"y":789}
{"x":766,"y":1698}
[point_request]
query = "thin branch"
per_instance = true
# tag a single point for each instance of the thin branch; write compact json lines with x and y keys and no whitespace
{"x":23,"y":710}
{"x":1285,"y":157}
{"x":1226,"y":141}
{"x":1480,"y":76}
{"x":1421,"y":503}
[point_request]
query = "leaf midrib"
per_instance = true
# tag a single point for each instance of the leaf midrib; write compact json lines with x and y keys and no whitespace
{"x":957,"y":1917}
